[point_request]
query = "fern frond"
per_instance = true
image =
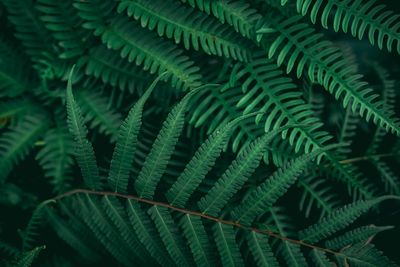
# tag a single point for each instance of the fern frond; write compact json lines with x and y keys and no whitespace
{"x":316,"y":192}
{"x":26,"y":259}
{"x":225,"y":238}
{"x":324,"y":64}
{"x":60,"y":18}
{"x":116,"y":213}
{"x":290,"y":252}
{"x":31,"y":31}
{"x":96,"y":112}
{"x":197,"y":238}
{"x":357,"y":235}
{"x":236,"y":13}
{"x":320,"y":259}
{"x":93,"y":214}
{"x":266,"y":194}
{"x":261,"y":250}
{"x":107,"y":65}
{"x":360,"y":18}
{"x":123,"y":155}
{"x":361,"y":255}
{"x":83,"y":149}
{"x":168,"y":232}
{"x":56,"y":157}
{"x":194,"y":30}
{"x":15,"y":76}
{"x":161,"y":151}
{"x":147,"y":233}
{"x":16,"y":109}
{"x":339,"y":219}
{"x":69,"y":235}
{"x":31,"y":232}
{"x":18,"y":142}
{"x":235,"y":176}
{"x":201,"y":163}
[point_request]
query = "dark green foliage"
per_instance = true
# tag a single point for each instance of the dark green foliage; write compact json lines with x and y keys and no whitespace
{"x":199,"y":132}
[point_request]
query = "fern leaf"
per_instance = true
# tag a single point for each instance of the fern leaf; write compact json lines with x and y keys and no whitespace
{"x":26,"y":259}
{"x":324,"y":64}
{"x":16,"y":143}
{"x":60,"y":18}
{"x":365,"y":255}
{"x":261,"y":250}
{"x":357,"y":17}
{"x":195,"y":30}
{"x":83,"y":149}
{"x":97,"y":114}
{"x":238,"y":14}
{"x":168,"y":232}
{"x":266,"y":194}
{"x":71,"y":237}
{"x":114,"y":70}
{"x":197,"y":238}
{"x":228,"y":249}
{"x":339,"y":219}
{"x":290,"y":252}
{"x":357,"y":235}
{"x":122,"y":159}
{"x":320,"y":259}
{"x":116,"y":212}
{"x":56,"y":157}
{"x":235,"y":176}
{"x":147,"y":233}
{"x":201,"y":163}
{"x":161,"y":151}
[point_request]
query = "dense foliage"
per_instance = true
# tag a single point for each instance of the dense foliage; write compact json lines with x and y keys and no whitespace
{"x":199,"y":132}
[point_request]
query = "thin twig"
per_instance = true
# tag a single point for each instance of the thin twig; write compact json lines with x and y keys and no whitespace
{"x":368,"y":157}
{"x":199,"y":214}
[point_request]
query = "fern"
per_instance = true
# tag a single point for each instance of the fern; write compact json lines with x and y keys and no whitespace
{"x":83,"y":149}
{"x":358,"y":18}
{"x":194,"y":30}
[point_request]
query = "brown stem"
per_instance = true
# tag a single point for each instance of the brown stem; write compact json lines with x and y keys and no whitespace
{"x":368,"y":157}
{"x":195,"y":213}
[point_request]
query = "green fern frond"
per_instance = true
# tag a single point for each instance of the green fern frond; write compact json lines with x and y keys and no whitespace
{"x":16,"y":143}
{"x":31,"y":232}
{"x":261,"y":250}
{"x":161,"y":151}
{"x":235,"y":176}
{"x":266,"y":194}
{"x":97,"y":113}
{"x":339,"y":219}
{"x":225,"y":238}
{"x":194,"y":30}
{"x":83,"y":149}
{"x":116,"y":213}
{"x":316,"y":192}
{"x":320,"y":259}
{"x":197,"y":238}
{"x":290,"y":252}
{"x":56,"y":157}
{"x":15,"y":76}
{"x":358,"y":17}
{"x":17,"y":108}
{"x":357,"y":235}
{"x":201,"y":163}
{"x":361,"y":255}
{"x":236,"y":13}
{"x":60,"y":18}
{"x":26,"y":259}
{"x":112,"y":69}
{"x":123,"y":155}
{"x":147,"y":233}
{"x":324,"y":64}
{"x":168,"y":232}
